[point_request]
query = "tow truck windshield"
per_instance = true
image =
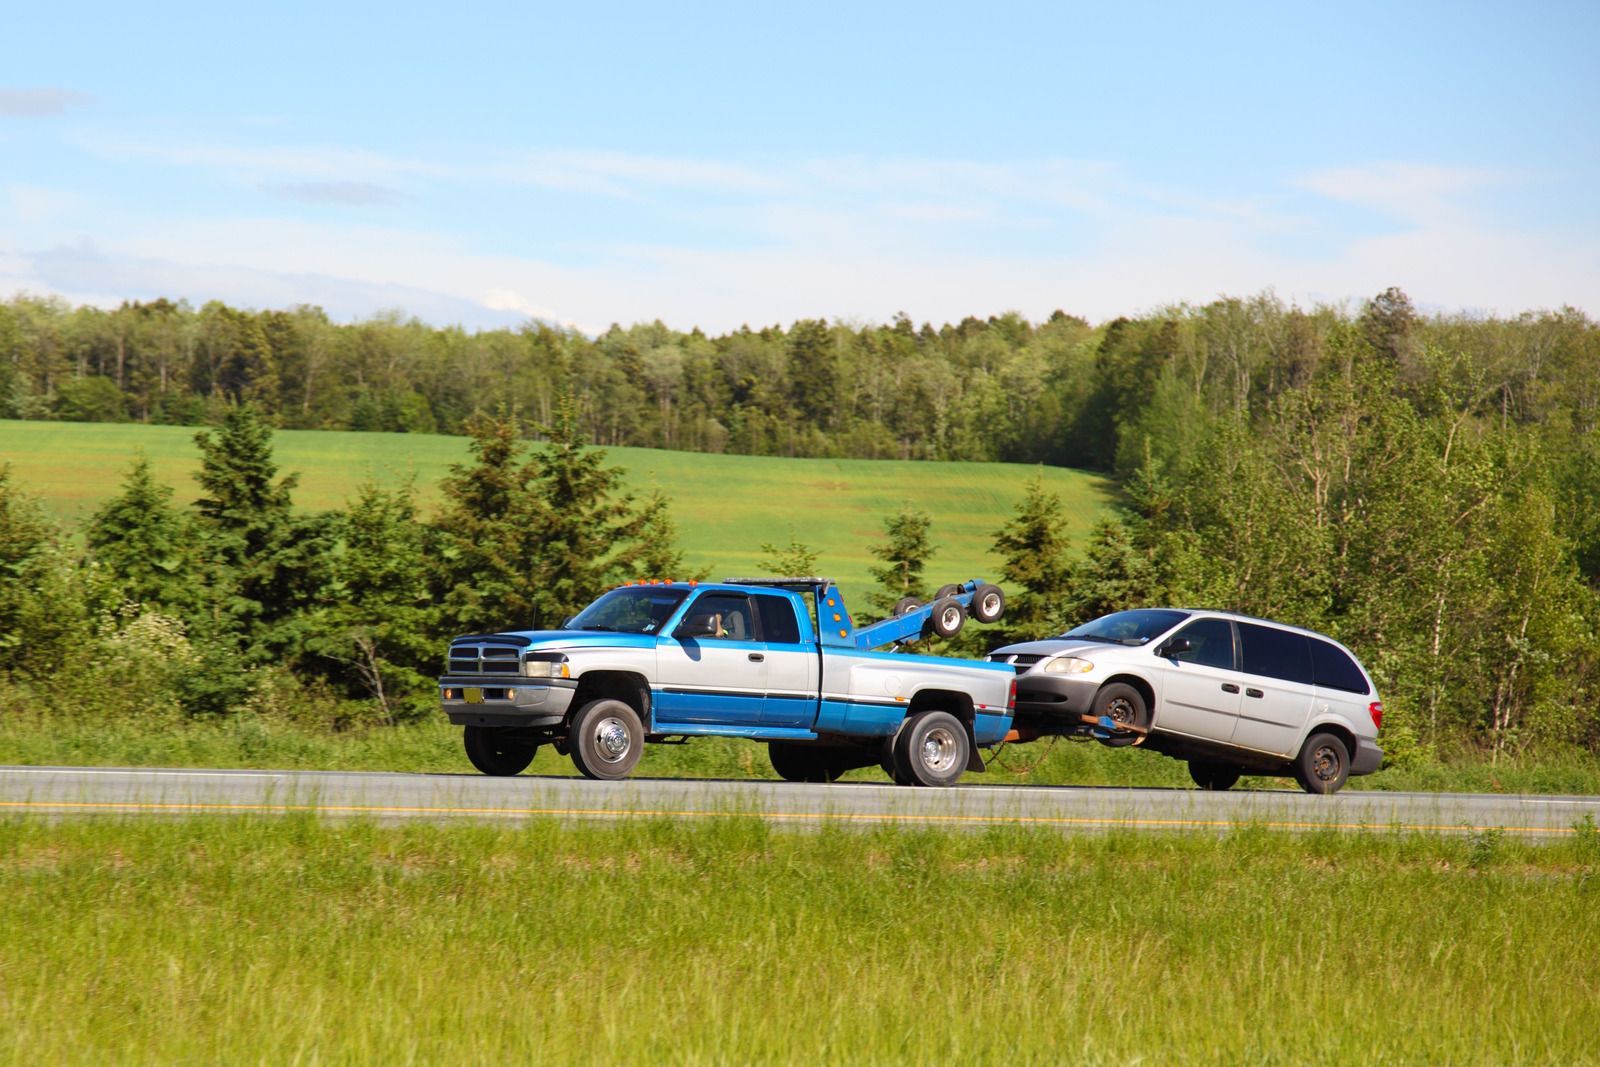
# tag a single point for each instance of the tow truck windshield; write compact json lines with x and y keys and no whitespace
{"x":630,"y":610}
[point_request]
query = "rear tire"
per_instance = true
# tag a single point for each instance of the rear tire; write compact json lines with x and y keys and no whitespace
{"x":804,"y":763}
{"x":948,"y":617}
{"x":1125,"y":705}
{"x":932,"y":749}
{"x":1323,"y":764}
{"x":1214,"y":777}
{"x":494,"y":752}
{"x":988,"y":603}
{"x":606,"y":740}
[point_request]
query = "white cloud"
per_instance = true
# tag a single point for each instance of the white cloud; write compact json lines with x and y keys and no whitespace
{"x":39,"y":103}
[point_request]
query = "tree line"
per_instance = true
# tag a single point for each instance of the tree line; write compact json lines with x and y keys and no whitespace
{"x":1424,"y":488}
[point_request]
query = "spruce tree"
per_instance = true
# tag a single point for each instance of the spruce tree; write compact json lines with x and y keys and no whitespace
{"x":1035,"y":558}
{"x":144,"y":544}
{"x":904,"y":556}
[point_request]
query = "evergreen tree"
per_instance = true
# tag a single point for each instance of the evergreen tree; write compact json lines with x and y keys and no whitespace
{"x":1035,"y":558}
{"x":144,"y":544}
{"x":259,"y":561}
{"x":43,"y":612}
{"x":794,"y":560}
{"x":904,"y":556}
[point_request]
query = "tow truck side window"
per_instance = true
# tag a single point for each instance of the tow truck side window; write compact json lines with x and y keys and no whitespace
{"x":778,"y":623}
{"x":731,"y":613}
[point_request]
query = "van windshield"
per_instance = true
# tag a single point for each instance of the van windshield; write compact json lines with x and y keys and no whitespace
{"x":1129,"y":627}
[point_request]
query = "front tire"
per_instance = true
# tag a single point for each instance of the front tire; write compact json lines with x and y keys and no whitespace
{"x":1214,"y":777}
{"x":932,"y":749}
{"x":606,"y":740}
{"x":1323,"y":764}
{"x":1125,"y":706}
{"x":494,"y":752}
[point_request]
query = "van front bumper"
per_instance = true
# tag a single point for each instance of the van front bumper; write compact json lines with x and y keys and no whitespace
{"x":1043,"y":693}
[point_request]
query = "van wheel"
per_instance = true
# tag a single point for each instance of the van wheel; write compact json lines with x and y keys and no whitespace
{"x":606,"y":740}
{"x":1125,"y":706}
{"x":1213,"y":777}
{"x":803,"y":763}
{"x":493,"y":751}
{"x":1323,"y":764}
{"x":932,"y":749}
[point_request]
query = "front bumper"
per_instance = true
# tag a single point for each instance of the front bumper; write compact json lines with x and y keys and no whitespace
{"x":1042,"y":693}
{"x":506,"y":701}
{"x":1367,"y":757}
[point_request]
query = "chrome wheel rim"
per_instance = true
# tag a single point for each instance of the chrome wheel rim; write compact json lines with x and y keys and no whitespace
{"x":991,"y":605}
{"x":611,"y":740}
{"x":939,"y":750}
{"x":950,"y":618}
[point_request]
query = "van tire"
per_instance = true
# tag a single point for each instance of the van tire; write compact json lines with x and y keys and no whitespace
{"x":1214,"y":777}
{"x":1121,"y":703}
{"x":1323,"y":764}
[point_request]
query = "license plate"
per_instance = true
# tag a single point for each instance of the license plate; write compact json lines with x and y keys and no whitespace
{"x":472,"y":695}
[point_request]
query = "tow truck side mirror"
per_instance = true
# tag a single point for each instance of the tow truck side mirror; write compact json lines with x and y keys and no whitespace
{"x":566,"y":623}
{"x":697,"y":626}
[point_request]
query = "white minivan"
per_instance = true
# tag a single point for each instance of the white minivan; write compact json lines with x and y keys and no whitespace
{"x":1230,"y":694}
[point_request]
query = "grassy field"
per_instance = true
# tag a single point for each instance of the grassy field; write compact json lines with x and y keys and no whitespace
{"x":301,"y":941}
{"x":726,"y":506}
{"x":434,"y":746}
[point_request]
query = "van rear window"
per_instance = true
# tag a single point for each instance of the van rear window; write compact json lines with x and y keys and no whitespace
{"x":1335,"y":670}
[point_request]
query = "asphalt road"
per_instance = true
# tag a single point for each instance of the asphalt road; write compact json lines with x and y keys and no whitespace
{"x":80,"y":791}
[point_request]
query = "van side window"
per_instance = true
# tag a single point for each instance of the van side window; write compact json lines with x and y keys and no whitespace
{"x":1335,"y":670}
{"x":1274,"y":653}
{"x":1211,"y":641}
{"x":778,"y":625}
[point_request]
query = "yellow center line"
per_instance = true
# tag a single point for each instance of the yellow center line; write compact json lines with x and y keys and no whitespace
{"x":799,"y":816}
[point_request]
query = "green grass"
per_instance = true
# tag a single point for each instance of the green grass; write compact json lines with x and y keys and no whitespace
{"x":434,"y":746}
{"x":726,"y":506}
{"x":302,"y":941}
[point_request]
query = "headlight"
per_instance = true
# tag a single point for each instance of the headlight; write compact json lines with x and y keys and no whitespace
{"x":1069,"y":665}
{"x":547,"y":666}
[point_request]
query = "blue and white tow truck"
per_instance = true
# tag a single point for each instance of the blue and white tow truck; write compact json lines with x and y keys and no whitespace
{"x":774,"y":660}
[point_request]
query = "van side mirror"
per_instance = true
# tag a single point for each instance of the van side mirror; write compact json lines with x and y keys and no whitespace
{"x":697,"y":626}
{"x":1176,"y":646}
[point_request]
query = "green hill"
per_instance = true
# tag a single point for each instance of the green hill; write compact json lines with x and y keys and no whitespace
{"x":725,"y":506}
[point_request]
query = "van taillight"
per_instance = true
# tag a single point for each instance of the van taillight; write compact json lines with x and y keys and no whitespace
{"x":1375,"y":709}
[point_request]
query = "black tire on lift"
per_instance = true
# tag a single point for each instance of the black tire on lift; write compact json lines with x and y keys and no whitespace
{"x":948,"y":617}
{"x":905,"y":605}
{"x":946,"y":590}
{"x":988,"y":603}
{"x":1122,"y":704}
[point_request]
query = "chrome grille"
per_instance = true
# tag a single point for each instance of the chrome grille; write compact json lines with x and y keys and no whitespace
{"x":475,"y":658}
{"x":1019,"y":662}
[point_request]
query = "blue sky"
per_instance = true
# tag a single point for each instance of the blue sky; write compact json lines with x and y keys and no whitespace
{"x":719,"y":164}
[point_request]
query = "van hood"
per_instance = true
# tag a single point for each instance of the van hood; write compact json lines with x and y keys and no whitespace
{"x":1054,"y":646}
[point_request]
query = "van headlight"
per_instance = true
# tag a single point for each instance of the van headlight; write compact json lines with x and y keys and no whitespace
{"x":1069,"y":665}
{"x":545,"y":665}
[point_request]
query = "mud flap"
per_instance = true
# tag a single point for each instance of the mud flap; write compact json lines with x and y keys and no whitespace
{"x":974,"y":757}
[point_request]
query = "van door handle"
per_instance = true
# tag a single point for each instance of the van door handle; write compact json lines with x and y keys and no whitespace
{"x":756,"y":657}
{"x":1229,"y":687}
{"x":1254,"y":693}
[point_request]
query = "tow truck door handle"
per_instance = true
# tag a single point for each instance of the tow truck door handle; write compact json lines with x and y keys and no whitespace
{"x":756,"y":657}
{"x":1229,"y":687}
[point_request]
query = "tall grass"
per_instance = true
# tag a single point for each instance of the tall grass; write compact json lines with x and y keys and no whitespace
{"x":295,"y":940}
